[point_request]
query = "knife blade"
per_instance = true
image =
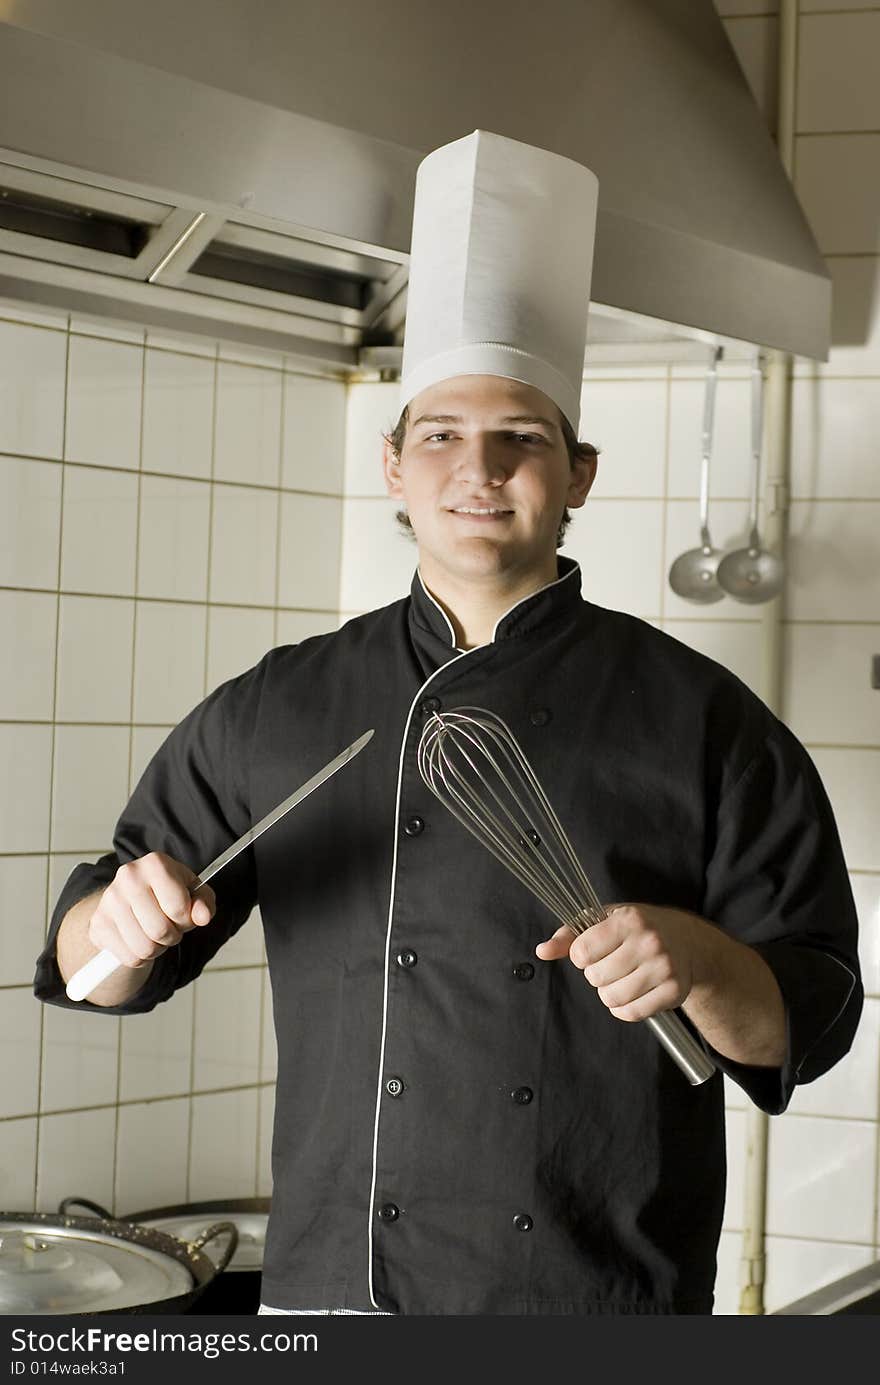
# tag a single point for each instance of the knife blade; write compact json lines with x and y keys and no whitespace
{"x":104,"y":963}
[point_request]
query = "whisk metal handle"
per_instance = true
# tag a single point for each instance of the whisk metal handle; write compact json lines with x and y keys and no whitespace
{"x":676,"y":1038}
{"x":682,"y":1047}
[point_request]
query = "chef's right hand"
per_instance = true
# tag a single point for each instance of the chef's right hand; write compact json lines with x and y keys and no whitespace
{"x":147,"y":908}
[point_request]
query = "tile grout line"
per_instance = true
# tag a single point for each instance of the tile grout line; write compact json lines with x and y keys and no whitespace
{"x":135,"y":581}
{"x":140,"y":1100}
{"x":875,"y":1225}
{"x":344,"y":510}
{"x":279,"y":532}
{"x":842,"y":134}
{"x":210,"y":559}
{"x":667,"y":435}
{"x":23,"y":721}
{"x":38,"y":326}
{"x":169,"y":475}
{"x":53,"y":748}
{"x":644,"y":499}
{"x":792,"y":1237}
{"x":173,"y":601}
{"x":834,"y":745}
{"x":213,"y":968}
{"x":211,"y":517}
{"x":261,"y":1084}
{"x":848,"y":9}
{"x":279,"y":525}
{"x":131,"y":711}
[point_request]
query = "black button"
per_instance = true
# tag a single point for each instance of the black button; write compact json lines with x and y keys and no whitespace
{"x":522,"y":1221}
{"x":430,"y":705}
{"x":523,"y":971}
{"x":406,"y":957}
{"x":414,"y":827}
{"x":522,"y":1095}
{"x":388,"y":1212}
{"x":394,"y":1086}
{"x":539,"y":716}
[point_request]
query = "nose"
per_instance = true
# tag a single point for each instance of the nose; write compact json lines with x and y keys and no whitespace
{"x":482,"y":460}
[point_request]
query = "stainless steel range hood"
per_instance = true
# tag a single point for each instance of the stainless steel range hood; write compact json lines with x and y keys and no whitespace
{"x":247,"y":170}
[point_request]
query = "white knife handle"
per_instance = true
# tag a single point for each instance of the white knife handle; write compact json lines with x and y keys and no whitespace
{"x":84,"y":981}
{"x":103,"y":964}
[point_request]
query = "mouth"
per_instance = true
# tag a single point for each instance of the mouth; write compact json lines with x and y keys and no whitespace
{"x":485,"y":514}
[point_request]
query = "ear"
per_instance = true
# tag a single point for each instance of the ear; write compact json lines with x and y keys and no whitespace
{"x":391,"y":470}
{"x":583,"y":474}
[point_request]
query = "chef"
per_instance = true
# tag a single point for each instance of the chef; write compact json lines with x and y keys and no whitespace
{"x":470,"y":1118}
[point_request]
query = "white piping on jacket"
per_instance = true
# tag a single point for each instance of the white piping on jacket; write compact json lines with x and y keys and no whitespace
{"x":434,"y":602}
{"x":557,"y":581}
{"x":461,"y":655}
{"x":371,"y":1214}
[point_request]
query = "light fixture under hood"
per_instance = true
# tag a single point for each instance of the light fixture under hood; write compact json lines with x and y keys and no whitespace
{"x":255,"y":179}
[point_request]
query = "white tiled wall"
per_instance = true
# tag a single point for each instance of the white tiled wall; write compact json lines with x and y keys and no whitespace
{"x":146,"y":486}
{"x":824,"y":1169}
{"x":824,"y":1174}
{"x":159,"y":492}
{"x":824,"y":1153}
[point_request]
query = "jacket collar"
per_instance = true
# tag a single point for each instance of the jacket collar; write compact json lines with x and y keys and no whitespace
{"x":556,"y":599}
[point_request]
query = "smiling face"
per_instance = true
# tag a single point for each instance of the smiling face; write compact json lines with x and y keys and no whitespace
{"x":485,"y":476}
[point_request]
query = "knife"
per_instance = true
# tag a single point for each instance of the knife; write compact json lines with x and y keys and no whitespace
{"x":104,"y":963}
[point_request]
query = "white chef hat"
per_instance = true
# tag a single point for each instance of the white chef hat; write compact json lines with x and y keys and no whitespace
{"x":500,"y":266}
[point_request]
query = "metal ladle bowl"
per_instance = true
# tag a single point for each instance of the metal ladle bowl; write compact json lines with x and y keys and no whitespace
{"x":694,"y":574}
{"x":753,"y":574}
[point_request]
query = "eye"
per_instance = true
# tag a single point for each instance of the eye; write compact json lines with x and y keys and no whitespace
{"x":530,"y":439}
{"x":438,"y":437}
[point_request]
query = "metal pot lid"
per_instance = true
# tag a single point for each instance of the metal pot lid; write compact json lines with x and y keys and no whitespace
{"x":61,"y":1270}
{"x":251,"y":1227}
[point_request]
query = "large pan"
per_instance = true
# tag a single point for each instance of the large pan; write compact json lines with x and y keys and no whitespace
{"x":63,"y":1264}
{"x":237,"y":1289}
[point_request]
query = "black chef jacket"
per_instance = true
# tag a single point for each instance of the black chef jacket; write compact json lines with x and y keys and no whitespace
{"x":461,"y":1128}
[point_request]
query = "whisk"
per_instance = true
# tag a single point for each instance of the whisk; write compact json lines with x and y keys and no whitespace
{"x":471,"y":761}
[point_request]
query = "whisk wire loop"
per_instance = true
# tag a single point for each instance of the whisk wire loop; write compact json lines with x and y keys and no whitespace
{"x":521,"y":841}
{"x":472,"y":762}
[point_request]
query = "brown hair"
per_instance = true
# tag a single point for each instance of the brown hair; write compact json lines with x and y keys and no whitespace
{"x":577,"y":452}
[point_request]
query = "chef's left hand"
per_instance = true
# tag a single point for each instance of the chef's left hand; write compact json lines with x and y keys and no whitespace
{"x":640,"y":958}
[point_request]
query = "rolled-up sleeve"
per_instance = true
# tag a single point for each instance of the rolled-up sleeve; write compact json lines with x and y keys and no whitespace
{"x":191,"y":803}
{"x":777,"y":880}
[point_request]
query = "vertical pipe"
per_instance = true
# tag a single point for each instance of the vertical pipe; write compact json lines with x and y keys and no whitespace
{"x":777,"y":440}
{"x":777,"y":398}
{"x":776,"y":451}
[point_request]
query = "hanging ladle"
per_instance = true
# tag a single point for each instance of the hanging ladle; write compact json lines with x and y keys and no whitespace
{"x":753,"y":574}
{"x":694,"y":575}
